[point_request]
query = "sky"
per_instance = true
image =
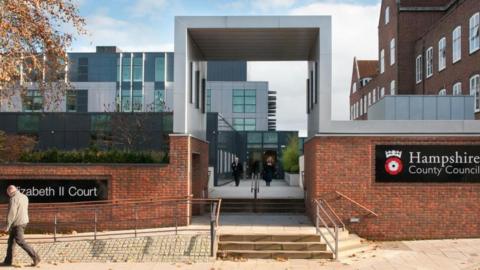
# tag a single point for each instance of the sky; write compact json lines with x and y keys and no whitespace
{"x":148,"y":25}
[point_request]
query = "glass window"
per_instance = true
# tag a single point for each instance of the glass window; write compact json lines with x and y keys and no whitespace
{"x":369,"y":98}
{"x":387,"y":15}
{"x":442,"y":54}
{"x":442,"y":92}
{"x":137,"y":100}
{"x":28,"y":123}
{"x":457,"y":89}
{"x":209,"y":100}
{"x":354,"y":87}
{"x":126,"y":69}
{"x":457,"y":44}
{"x":392,"y":88}
{"x":392,"y":51}
{"x":33,"y":101}
{"x":429,"y":62}
{"x":419,"y":69}
{"x":382,"y":61}
{"x":254,"y":138}
{"x":382,"y":92}
{"x":160,"y":68}
{"x":71,"y":101}
{"x":159,"y":100}
{"x":361,"y":107}
{"x":137,"y":69}
{"x":100,"y":122}
{"x":374,"y":95}
{"x":82,"y":71}
{"x":474,"y":32}
{"x":270,"y":138}
{"x":475,"y":90}
{"x":250,"y":124}
{"x":238,"y":124}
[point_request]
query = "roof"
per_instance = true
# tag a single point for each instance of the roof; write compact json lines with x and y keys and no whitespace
{"x":367,"y":68}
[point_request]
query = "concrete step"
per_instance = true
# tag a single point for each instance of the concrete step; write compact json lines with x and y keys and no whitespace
{"x":273,"y":254}
{"x":269,"y":238}
{"x":290,"y":246}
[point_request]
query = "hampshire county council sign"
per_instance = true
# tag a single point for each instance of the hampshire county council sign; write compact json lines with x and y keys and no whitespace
{"x":52,"y":190}
{"x":427,"y":163}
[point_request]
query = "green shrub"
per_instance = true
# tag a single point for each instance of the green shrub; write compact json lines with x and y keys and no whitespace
{"x":290,"y":156}
{"x":93,"y":155}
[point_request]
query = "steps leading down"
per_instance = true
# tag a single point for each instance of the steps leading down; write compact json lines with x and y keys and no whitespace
{"x":263,"y":206}
{"x":272,"y":246}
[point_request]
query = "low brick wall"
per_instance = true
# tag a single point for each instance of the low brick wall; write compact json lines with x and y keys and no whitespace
{"x":405,"y":210}
{"x":185,"y":176}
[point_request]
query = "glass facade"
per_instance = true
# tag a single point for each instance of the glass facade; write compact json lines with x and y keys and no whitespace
{"x":137,"y":69}
{"x":33,"y":101}
{"x":160,"y":68}
{"x":159,"y":100}
{"x":209,"y":100}
{"x":244,"y":124}
{"x":244,"y":101}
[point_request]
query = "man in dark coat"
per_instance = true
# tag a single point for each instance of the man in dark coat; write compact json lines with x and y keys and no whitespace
{"x":237,"y":170}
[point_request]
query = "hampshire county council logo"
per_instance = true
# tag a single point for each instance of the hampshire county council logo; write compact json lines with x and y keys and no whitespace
{"x":394,"y":164}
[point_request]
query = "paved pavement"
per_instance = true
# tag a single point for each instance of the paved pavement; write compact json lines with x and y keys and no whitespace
{"x":462,"y":254}
{"x":278,"y":189}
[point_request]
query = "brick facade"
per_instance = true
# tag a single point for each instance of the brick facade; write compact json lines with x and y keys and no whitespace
{"x":185,"y":175}
{"x":415,"y":26}
{"x":405,"y":210}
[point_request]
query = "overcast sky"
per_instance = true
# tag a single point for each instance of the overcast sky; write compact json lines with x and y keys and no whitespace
{"x":147,"y":25}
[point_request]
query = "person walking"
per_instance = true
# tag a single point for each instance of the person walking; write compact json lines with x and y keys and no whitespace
{"x":237,"y":170}
{"x":17,"y":220}
{"x":268,"y":171}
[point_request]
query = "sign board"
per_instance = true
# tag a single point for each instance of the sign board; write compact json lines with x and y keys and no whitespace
{"x":427,"y":163}
{"x":52,"y":190}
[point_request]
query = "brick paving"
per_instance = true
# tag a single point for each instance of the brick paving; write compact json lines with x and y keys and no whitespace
{"x":165,"y":248}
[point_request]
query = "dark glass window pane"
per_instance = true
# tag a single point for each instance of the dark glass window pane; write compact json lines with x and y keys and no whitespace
{"x":254,"y":137}
{"x":250,"y":108}
{"x":160,"y":69}
{"x":28,"y":123}
{"x":238,"y":108}
{"x":270,"y":138}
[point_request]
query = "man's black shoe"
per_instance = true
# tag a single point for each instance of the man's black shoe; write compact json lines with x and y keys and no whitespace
{"x":36,"y":261}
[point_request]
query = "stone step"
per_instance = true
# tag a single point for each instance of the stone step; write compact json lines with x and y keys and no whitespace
{"x":290,"y":246}
{"x":269,"y":238}
{"x":274,"y":254}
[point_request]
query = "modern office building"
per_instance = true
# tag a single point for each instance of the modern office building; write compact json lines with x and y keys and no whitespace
{"x":109,"y":80}
{"x":425,"y":48}
{"x":247,"y":105}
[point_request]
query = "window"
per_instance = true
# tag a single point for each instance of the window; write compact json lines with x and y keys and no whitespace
{"x":357,"y":110}
{"x":33,"y":101}
{"x":137,"y":69}
{"x":82,"y":71}
{"x":361,"y":107}
{"x":475,"y":90}
{"x":392,"y":88}
{"x":28,"y":123}
{"x":474,"y":32}
{"x":209,"y":100}
{"x":419,"y":69}
{"x":365,"y":105}
{"x":442,"y":92}
{"x":457,"y":44}
{"x":429,"y":62}
{"x":369,"y":98}
{"x":457,"y":89}
{"x":137,"y":100}
{"x":159,"y":100}
{"x":244,"y":101}
{"x":392,"y":51}
{"x":382,"y":92}
{"x":374,"y":95}
{"x":71,"y":101}
{"x":382,"y":61}
{"x":351,"y":112}
{"x":126,"y":69}
{"x":160,"y":68}
{"x":354,"y":87}
{"x":387,"y":15}
{"x":442,"y":54}
{"x":250,"y":124}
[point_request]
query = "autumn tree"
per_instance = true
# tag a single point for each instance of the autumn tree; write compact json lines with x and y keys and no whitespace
{"x":34,"y":37}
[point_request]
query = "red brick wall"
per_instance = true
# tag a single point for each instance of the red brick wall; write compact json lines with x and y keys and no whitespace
{"x":133,"y":181}
{"x":405,"y":210}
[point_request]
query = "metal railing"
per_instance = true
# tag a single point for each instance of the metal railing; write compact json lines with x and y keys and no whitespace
{"x":255,"y":186}
{"x":320,"y":213}
{"x":91,"y":220}
{"x":369,"y":211}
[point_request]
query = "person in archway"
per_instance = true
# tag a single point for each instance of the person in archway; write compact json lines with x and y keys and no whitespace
{"x":17,"y":220}
{"x":268,"y":171}
{"x":237,"y":171}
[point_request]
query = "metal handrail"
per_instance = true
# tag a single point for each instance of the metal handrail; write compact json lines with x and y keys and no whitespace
{"x":94,"y":213}
{"x":333,"y":247}
{"x":356,"y":203}
{"x":334,"y":214}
